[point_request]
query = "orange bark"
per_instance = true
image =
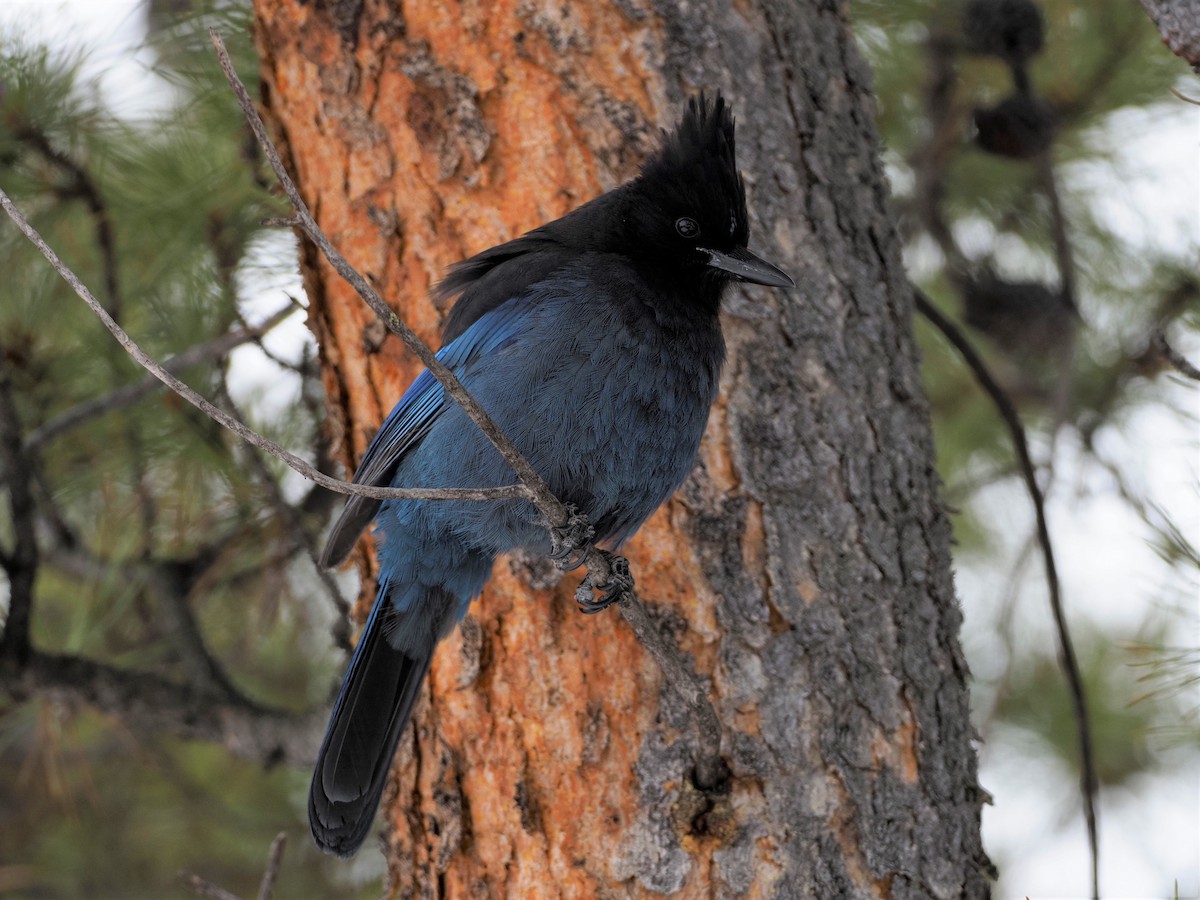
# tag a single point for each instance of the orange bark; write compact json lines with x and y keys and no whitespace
{"x":426,"y":141}
{"x":546,"y":762}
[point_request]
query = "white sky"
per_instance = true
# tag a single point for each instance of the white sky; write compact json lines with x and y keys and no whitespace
{"x":1151,"y":193}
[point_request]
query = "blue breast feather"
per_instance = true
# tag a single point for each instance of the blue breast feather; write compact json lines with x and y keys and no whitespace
{"x":586,"y":389}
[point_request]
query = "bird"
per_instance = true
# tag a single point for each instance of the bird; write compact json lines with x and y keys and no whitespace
{"x":594,"y":342}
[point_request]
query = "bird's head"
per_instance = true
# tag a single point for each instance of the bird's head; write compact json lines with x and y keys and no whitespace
{"x":687,"y":208}
{"x":682,"y":221}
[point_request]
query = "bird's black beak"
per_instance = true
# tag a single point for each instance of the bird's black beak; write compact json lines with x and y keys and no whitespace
{"x":745,"y":266}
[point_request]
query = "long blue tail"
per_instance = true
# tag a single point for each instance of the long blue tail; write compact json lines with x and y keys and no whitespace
{"x":370,"y":713}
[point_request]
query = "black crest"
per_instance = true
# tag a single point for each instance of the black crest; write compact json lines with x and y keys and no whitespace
{"x":697,"y":168}
{"x":694,"y":175}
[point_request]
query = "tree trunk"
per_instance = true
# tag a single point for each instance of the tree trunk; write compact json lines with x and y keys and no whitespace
{"x":1178,"y":22}
{"x":804,"y":566}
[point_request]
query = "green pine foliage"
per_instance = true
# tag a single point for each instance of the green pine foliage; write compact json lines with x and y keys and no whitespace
{"x":1106,"y":80}
{"x":151,"y":520}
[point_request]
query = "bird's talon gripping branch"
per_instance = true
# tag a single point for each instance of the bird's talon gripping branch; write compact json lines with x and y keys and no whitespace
{"x":620,"y":583}
{"x":572,"y":543}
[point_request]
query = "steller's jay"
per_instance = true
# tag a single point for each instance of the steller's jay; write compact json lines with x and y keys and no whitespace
{"x":594,"y":342}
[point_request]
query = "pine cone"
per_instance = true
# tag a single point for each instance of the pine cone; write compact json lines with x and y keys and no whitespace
{"x":1018,"y":127}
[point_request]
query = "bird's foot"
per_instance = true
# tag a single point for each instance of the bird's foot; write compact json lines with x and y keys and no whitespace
{"x":619,"y":583}
{"x":571,"y":544}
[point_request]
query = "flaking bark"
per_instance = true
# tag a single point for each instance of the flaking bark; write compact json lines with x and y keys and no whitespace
{"x":804,"y":566}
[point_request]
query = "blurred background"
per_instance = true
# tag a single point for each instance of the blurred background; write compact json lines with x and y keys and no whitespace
{"x":1045,"y":167}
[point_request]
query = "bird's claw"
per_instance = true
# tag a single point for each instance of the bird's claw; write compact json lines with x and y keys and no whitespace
{"x":571,"y":543}
{"x":619,"y":583}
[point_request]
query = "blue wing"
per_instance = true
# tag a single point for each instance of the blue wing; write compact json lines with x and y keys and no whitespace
{"x":414,"y":415}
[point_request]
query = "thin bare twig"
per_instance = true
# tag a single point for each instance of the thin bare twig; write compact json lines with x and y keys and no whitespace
{"x":1070,"y":664}
{"x":271,"y":873}
{"x":512,"y":492}
{"x":131,"y":393}
{"x":287,"y":365}
{"x":1141,"y":358}
{"x":1184,"y":97}
{"x":1178,"y":361}
{"x":555,"y":512}
{"x":1153,"y":516}
{"x":204,"y":888}
{"x":535,"y":487}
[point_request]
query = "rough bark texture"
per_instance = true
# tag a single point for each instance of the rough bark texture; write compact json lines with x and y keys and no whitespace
{"x":804,"y":566}
{"x":1178,"y":22}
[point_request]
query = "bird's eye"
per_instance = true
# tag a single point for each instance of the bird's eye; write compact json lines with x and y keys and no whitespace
{"x":687,"y":227}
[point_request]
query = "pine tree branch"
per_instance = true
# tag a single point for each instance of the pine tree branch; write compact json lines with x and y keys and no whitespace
{"x":513,"y":492}
{"x":1070,"y":664}
{"x":60,"y":531}
{"x":131,"y":393}
{"x":1178,"y":361}
{"x":930,"y":164}
{"x":21,"y":563}
{"x":175,"y":583}
{"x":537,"y":489}
{"x":150,"y":706}
{"x":83,"y":186}
{"x":286,"y":365}
{"x":171,"y":584}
